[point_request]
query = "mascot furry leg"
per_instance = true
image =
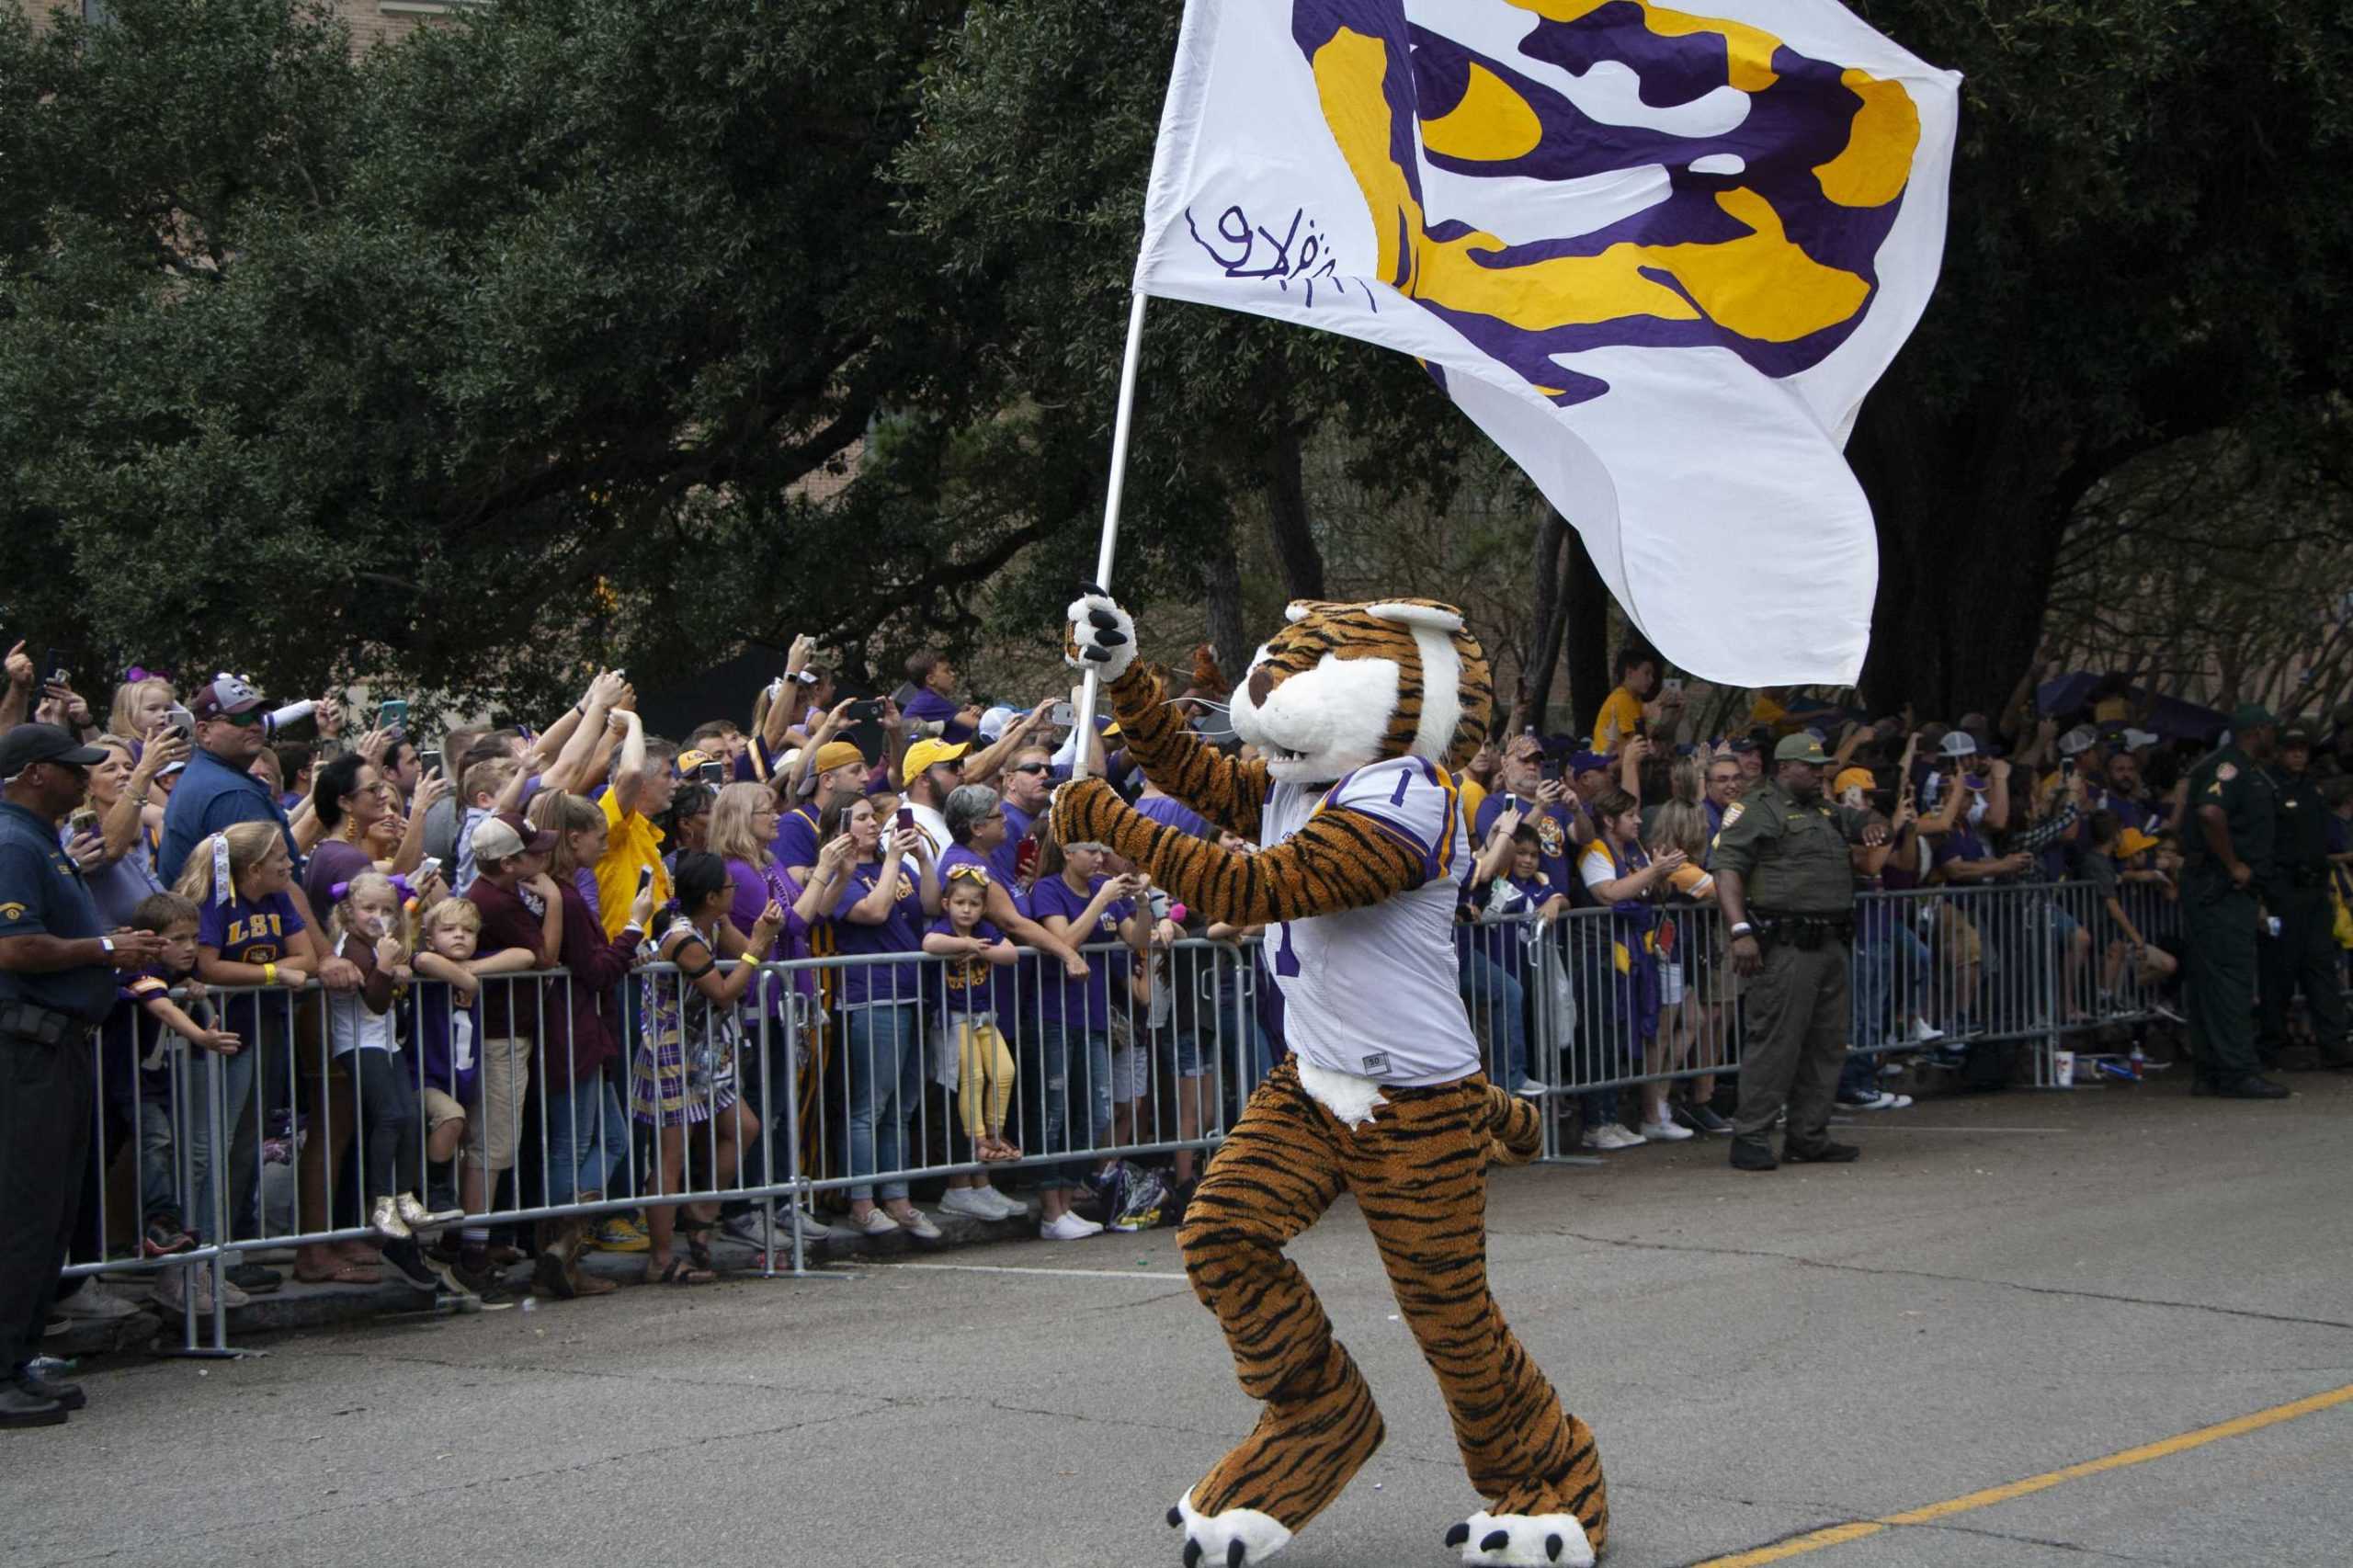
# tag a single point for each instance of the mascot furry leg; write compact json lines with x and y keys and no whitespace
{"x":1357,"y":817}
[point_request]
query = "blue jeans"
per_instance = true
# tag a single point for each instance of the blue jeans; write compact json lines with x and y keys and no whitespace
{"x":588,"y":1137}
{"x":885,"y":1080}
{"x":1867,"y":999}
{"x":1058,"y":1092}
{"x":1494,"y":992}
{"x":199,"y":1069}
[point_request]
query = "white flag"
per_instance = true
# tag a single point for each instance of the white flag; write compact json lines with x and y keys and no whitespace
{"x":1658,"y":257}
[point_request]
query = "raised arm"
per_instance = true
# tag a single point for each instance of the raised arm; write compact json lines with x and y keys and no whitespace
{"x":1228,"y":793}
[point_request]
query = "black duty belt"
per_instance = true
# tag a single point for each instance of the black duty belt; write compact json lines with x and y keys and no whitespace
{"x":43,"y":1026}
{"x":1806,"y":933}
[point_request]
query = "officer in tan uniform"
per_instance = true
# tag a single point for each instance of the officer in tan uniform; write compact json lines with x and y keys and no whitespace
{"x":1785,"y":862}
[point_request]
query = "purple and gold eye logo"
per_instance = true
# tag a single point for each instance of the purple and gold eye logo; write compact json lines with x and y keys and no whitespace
{"x":1611,"y":174}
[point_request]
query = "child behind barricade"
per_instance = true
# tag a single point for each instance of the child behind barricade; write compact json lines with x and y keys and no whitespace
{"x":445,"y":1023}
{"x":143,"y":1040}
{"x":369,"y":928}
{"x":968,"y":999}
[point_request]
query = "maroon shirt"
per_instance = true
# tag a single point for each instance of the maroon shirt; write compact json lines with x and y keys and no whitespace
{"x":511,"y":1006}
{"x":583,"y":1006}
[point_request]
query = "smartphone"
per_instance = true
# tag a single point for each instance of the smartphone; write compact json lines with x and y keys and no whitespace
{"x":56,"y":666}
{"x":2066,"y":767}
{"x":82,"y":821}
{"x":906,"y":818}
{"x":427,"y":866}
{"x":180,"y":718}
{"x":430,"y":761}
{"x":644,"y":877}
{"x":1024,"y":859}
{"x":1672,"y":683}
{"x":1064,"y":716}
{"x":871,"y":709}
{"x":713,"y":774}
{"x":391,"y":715}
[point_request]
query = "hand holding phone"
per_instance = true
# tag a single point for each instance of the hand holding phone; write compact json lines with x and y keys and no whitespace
{"x":391,"y":715}
{"x":713,"y":774}
{"x":905,"y":818}
{"x":644,"y":877}
{"x":428,"y":761}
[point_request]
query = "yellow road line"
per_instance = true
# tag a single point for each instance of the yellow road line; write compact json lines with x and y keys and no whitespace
{"x":1839,"y":1535}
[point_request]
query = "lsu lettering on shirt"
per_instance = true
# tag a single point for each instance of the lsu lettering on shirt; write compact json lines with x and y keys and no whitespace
{"x":1374,"y":992}
{"x":251,"y":930}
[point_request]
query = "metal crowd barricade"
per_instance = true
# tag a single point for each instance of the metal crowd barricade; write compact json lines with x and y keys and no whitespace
{"x":853,"y":1075}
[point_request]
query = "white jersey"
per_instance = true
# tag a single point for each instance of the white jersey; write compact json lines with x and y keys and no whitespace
{"x":1375,"y":992}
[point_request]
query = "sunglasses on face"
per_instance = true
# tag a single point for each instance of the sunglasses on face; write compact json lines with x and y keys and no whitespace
{"x":1029,"y":767}
{"x":244,"y":721}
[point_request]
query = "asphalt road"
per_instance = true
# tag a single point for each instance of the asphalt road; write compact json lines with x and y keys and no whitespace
{"x":2001,"y":1287}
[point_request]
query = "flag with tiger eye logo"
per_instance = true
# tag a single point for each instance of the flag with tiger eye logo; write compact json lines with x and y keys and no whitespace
{"x":1659,"y":256}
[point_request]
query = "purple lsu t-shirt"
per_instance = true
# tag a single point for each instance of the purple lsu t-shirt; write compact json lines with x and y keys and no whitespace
{"x":900,"y":932}
{"x":1083,"y":1003}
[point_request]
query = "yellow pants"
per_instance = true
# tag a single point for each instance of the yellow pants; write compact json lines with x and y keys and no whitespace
{"x":983,"y":1078}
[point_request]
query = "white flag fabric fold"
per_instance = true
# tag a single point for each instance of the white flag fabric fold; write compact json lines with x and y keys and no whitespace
{"x":1658,"y":257}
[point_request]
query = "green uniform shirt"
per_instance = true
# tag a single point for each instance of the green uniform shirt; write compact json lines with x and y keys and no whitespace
{"x":2299,"y":833}
{"x":2231,"y":780}
{"x":1791,"y":858}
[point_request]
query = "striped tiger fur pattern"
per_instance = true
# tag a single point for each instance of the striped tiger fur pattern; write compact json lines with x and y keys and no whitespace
{"x":1340,"y":688}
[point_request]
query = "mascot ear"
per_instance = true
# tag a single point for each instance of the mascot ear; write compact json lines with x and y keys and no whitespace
{"x":1418,"y":612}
{"x":1300,"y":610}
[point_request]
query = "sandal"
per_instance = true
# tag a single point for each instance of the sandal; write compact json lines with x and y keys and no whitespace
{"x":677,"y":1273}
{"x":698,"y":1240}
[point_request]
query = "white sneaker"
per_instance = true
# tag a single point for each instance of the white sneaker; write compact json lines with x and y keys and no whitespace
{"x":1610,"y":1135}
{"x":171,"y":1289}
{"x":1889,"y":1100}
{"x":1528,"y":1087}
{"x":1007,"y":1207}
{"x":813,"y":1228}
{"x":970,"y":1202}
{"x":876,"y":1224}
{"x":386,"y":1221}
{"x":1665,"y":1132}
{"x":1925,"y":1032}
{"x":918,"y":1224}
{"x":93,"y":1303}
{"x":1069,"y":1228}
{"x":751,"y":1229}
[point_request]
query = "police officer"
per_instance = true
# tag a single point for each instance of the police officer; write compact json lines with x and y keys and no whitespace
{"x":2226,"y":853}
{"x":56,"y":984}
{"x":2305,"y":952}
{"x":1785,"y":866}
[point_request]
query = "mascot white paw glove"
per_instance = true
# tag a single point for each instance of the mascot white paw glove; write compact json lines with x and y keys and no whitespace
{"x":1102,"y":635}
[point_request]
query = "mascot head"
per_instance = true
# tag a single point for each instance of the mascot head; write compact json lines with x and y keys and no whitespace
{"x":1345,"y":685}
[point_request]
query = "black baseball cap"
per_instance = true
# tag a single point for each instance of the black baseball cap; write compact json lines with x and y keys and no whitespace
{"x":29,"y":744}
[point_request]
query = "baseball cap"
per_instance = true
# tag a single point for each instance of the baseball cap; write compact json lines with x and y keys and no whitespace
{"x":223,"y":696}
{"x":2296,"y":732}
{"x":1853,"y":778}
{"x":2132,"y":841}
{"x":992,"y":722}
{"x":838,"y":754}
{"x":1588,"y":762}
{"x":2251,"y":716}
{"x":506,"y":836}
{"x":29,"y":744}
{"x":1800,"y":747}
{"x":2077,"y":741}
{"x":1959,"y":742}
{"x":691,"y":759}
{"x":2138,"y":740}
{"x":1743,"y":744}
{"x":928,"y":754}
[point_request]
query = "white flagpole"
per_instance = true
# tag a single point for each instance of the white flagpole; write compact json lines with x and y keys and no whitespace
{"x":1085,"y":731}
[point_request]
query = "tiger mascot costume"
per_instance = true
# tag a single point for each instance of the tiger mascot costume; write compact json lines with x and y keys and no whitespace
{"x":1358,"y":712}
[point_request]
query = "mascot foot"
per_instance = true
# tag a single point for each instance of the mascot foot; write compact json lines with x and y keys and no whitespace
{"x":1522,"y":1540}
{"x":1235,"y":1538}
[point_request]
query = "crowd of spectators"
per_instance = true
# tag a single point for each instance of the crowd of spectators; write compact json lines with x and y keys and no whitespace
{"x":402,"y":879}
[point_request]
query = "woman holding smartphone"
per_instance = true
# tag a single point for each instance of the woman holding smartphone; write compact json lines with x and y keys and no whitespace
{"x":890,"y":893}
